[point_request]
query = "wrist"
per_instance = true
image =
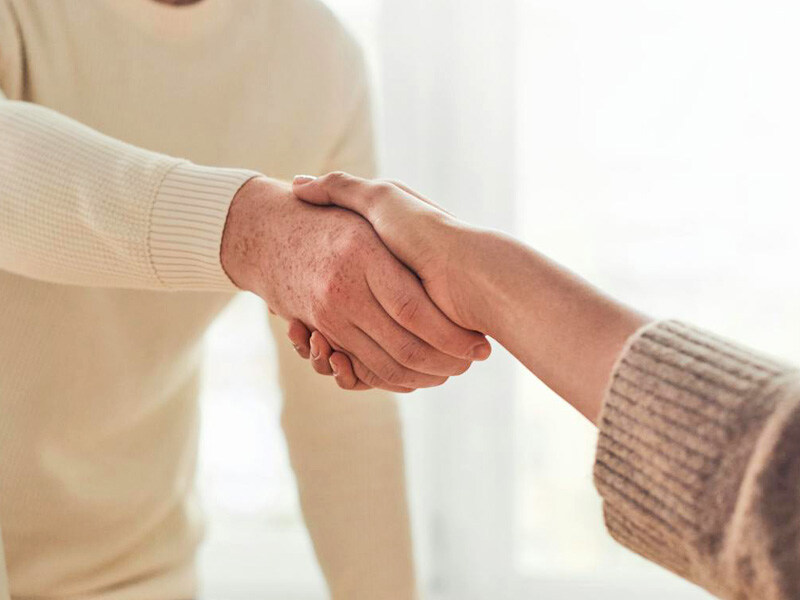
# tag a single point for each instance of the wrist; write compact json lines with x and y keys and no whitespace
{"x":244,"y":251}
{"x":480,"y":257}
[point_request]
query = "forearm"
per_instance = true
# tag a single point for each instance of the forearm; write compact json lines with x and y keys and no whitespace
{"x":78,"y":207}
{"x":565,"y":331}
{"x":697,"y":435}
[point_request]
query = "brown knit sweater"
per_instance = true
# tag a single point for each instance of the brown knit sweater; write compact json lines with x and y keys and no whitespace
{"x":698,"y":461}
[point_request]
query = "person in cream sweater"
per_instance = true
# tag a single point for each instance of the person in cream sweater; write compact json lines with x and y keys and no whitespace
{"x":118,"y":247}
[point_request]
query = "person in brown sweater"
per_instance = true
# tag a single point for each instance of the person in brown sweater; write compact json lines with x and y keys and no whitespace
{"x":698,"y":458}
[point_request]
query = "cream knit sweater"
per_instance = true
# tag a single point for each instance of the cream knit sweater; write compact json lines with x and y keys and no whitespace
{"x":110,"y":273}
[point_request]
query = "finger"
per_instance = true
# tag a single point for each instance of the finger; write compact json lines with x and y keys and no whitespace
{"x":341,"y":189}
{"x":343,"y":372}
{"x":359,"y":344}
{"x":354,"y":375}
{"x":320,"y":354}
{"x":401,"y":295}
{"x":366,"y":378}
{"x":361,"y":195}
{"x":299,"y":335}
{"x":405,"y":347}
{"x":323,"y":359}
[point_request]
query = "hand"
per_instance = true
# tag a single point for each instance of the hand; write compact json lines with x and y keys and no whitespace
{"x":327,"y":268}
{"x":312,"y":345}
{"x":429,"y":240}
{"x":425,"y":237}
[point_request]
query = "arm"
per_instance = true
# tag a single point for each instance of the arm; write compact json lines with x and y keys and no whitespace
{"x":80,"y":208}
{"x":698,"y":458}
{"x":576,"y":328}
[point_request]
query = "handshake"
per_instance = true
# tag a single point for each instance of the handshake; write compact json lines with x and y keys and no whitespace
{"x":371,"y":276}
{"x":382,"y":288}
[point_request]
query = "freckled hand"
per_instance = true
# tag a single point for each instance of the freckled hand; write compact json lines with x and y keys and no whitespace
{"x":327,"y":268}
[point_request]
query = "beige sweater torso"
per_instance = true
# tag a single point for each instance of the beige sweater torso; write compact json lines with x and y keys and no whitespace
{"x":109,"y":276}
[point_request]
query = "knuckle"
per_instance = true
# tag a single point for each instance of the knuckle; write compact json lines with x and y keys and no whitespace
{"x":452,"y":340}
{"x":393,"y":374}
{"x":299,"y":340}
{"x":351,"y":241}
{"x":378,"y":190}
{"x":329,"y":293}
{"x":406,"y":308}
{"x":411,"y":353}
{"x":329,"y":289}
{"x":337,"y":179}
{"x":369,"y":377}
{"x":320,"y":367}
{"x":324,"y":315}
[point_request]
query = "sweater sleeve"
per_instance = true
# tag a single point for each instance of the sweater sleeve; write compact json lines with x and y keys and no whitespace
{"x":78,"y":207}
{"x":698,"y":461}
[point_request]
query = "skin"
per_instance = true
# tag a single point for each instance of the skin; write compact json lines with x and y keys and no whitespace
{"x":326,"y":267}
{"x":565,"y":331}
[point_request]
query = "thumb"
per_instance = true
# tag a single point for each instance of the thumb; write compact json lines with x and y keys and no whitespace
{"x":340,"y":189}
{"x":308,"y":189}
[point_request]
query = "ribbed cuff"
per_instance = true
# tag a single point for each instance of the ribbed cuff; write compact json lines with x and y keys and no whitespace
{"x":681,"y":416}
{"x":187,"y":223}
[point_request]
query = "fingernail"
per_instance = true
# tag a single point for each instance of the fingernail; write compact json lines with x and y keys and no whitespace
{"x":314,"y":347}
{"x":301,"y":179}
{"x":481,"y":351}
{"x":333,"y":368}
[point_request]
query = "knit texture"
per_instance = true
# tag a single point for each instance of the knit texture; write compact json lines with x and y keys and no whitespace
{"x":698,"y":461}
{"x":158,"y":226}
{"x":186,"y":226}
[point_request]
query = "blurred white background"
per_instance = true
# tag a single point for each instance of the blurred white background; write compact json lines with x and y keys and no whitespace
{"x":651,"y":146}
